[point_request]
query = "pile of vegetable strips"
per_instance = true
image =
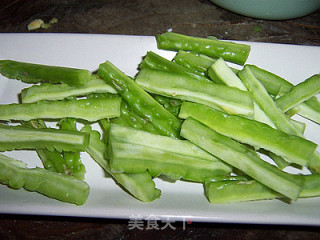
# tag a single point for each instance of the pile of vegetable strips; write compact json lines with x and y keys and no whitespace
{"x":193,"y":118}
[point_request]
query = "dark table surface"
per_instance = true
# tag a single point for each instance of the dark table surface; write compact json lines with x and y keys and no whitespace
{"x":137,"y":17}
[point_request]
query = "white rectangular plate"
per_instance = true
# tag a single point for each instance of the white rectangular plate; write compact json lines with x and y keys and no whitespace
{"x":179,"y":201}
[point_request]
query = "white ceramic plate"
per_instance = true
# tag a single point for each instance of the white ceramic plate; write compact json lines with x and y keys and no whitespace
{"x":179,"y":201}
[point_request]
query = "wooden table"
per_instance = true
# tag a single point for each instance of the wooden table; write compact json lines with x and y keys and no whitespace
{"x":137,"y":17}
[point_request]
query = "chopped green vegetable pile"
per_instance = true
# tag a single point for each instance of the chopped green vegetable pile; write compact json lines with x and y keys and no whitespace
{"x":192,"y":118}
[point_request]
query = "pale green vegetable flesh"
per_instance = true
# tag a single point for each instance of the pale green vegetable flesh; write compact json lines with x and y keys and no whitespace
{"x":141,"y":151}
{"x":242,"y":158}
{"x":47,"y":91}
{"x":238,"y":190}
{"x":310,"y":109}
{"x":87,"y":109}
{"x":293,"y":148}
{"x":139,"y":185}
{"x":281,"y":121}
{"x":299,"y":93}
{"x":261,"y":96}
{"x":16,"y":137}
{"x":221,"y":72}
{"x":278,"y":86}
{"x":228,"y":99}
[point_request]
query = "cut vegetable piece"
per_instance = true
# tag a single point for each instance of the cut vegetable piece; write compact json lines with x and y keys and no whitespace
{"x":51,"y":159}
{"x":193,"y":61}
{"x":228,"y":99}
{"x":314,"y":163}
{"x":134,"y":158}
{"x":54,"y":185}
{"x":261,"y":96}
{"x":72,"y":158}
{"x":140,"y":101}
{"x":310,"y":109}
{"x":301,"y":126}
{"x":35,"y":73}
{"x":135,"y":136}
{"x":234,"y":190}
{"x":17,"y":137}
{"x":281,"y":121}
{"x":311,"y":186}
{"x":278,"y":86}
{"x":279,"y":161}
{"x":221,"y":192}
{"x":171,"y":104}
{"x":135,"y":151}
{"x":128,"y":117}
{"x":47,"y":91}
{"x":139,"y":185}
{"x":87,"y":109}
{"x":299,"y":93}
{"x":229,"y":51}
{"x":293,"y":148}
{"x":155,"y":61}
{"x":242,"y":158}
{"x":274,"y":84}
{"x":223,"y":72}
{"x":197,"y":62}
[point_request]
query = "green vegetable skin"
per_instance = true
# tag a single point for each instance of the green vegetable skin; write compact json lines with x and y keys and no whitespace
{"x":47,"y":91}
{"x":17,"y":137}
{"x":235,"y":190}
{"x":198,"y":63}
{"x":242,"y":158}
{"x":140,"y":101}
{"x":281,"y":121}
{"x":155,"y":61}
{"x":87,"y":109}
{"x":51,"y":159}
{"x":139,"y":185}
{"x":310,"y":109}
{"x":229,"y":51}
{"x":192,"y":61}
{"x":35,"y":73}
{"x":293,"y":148}
{"x":72,"y":158}
{"x":276,"y":85}
{"x":54,"y":185}
{"x":228,"y":99}
{"x":221,"y":72}
{"x":261,"y":96}
{"x":136,"y":151}
{"x":127,"y":116}
{"x":299,"y":93}
{"x":171,"y":104}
